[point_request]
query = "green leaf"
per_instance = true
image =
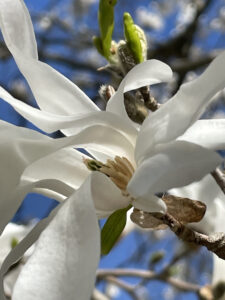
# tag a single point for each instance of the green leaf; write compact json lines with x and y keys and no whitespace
{"x":106,"y":24}
{"x":112,"y":229}
{"x":135,"y":38}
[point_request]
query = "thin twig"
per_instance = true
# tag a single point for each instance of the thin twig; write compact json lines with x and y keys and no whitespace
{"x":150,"y":275}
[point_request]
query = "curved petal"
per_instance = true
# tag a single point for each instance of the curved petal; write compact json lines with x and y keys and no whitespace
{"x":106,"y":196}
{"x":175,"y":165}
{"x":207,"y":133}
{"x":52,"y":91}
{"x":66,"y":256}
{"x":17,"y":252}
{"x":19,"y":147}
{"x":17,"y":27}
{"x":150,"y":204}
{"x":73,"y":124}
{"x":10,"y":232}
{"x":103,"y":139}
{"x":181,"y":111}
{"x":65,"y":165}
{"x":98,"y":155}
{"x":147,"y":73}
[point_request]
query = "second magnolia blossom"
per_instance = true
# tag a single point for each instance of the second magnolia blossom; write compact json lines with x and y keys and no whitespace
{"x":209,"y":192}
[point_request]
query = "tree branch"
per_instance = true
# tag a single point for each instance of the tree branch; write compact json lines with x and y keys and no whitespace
{"x":150,"y":275}
{"x":214,"y":242}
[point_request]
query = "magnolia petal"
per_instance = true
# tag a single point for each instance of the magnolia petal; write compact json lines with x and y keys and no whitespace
{"x":102,"y":139}
{"x":17,"y":27}
{"x":207,"y":191}
{"x":21,"y":190}
{"x":19,"y":147}
{"x":218,"y":270}
{"x":54,"y":187}
{"x":106,"y":196}
{"x":83,"y":124}
{"x":150,"y":204}
{"x":17,"y":252}
{"x":15,"y":197}
{"x":65,"y":165}
{"x":12,"y":231}
{"x":98,"y":155}
{"x":66,"y":256}
{"x":147,"y":73}
{"x":102,"y":118}
{"x":52,"y":91}
{"x":182,"y":110}
{"x":73,"y":124}
{"x":176,"y":164}
{"x":207,"y":133}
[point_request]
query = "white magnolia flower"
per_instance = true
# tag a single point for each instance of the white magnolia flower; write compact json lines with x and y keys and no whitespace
{"x":161,"y":156}
{"x":208,"y":191}
{"x":158,"y":151}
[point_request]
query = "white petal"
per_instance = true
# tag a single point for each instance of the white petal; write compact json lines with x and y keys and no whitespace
{"x":19,"y":147}
{"x":150,"y":204}
{"x":48,"y":122}
{"x":218,"y":270}
{"x":73,"y":124}
{"x":207,"y":133}
{"x":10,"y":232}
{"x":16,"y":24}
{"x":103,"y":139}
{"x":106,"y":196}
{"x":52,"y":91}
{"x":66,"y":257}
{"x":65,"y":165}
{"x":17,"y":233}
{"x":53,"y":188}
{"x":181,"y":111}
{"x":146,"y":73}
{"x":99,"y":155}
{"x":18,"y":251}
{"x":176,"y":164}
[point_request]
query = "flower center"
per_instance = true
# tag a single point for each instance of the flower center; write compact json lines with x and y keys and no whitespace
{"x":119,"y":170}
